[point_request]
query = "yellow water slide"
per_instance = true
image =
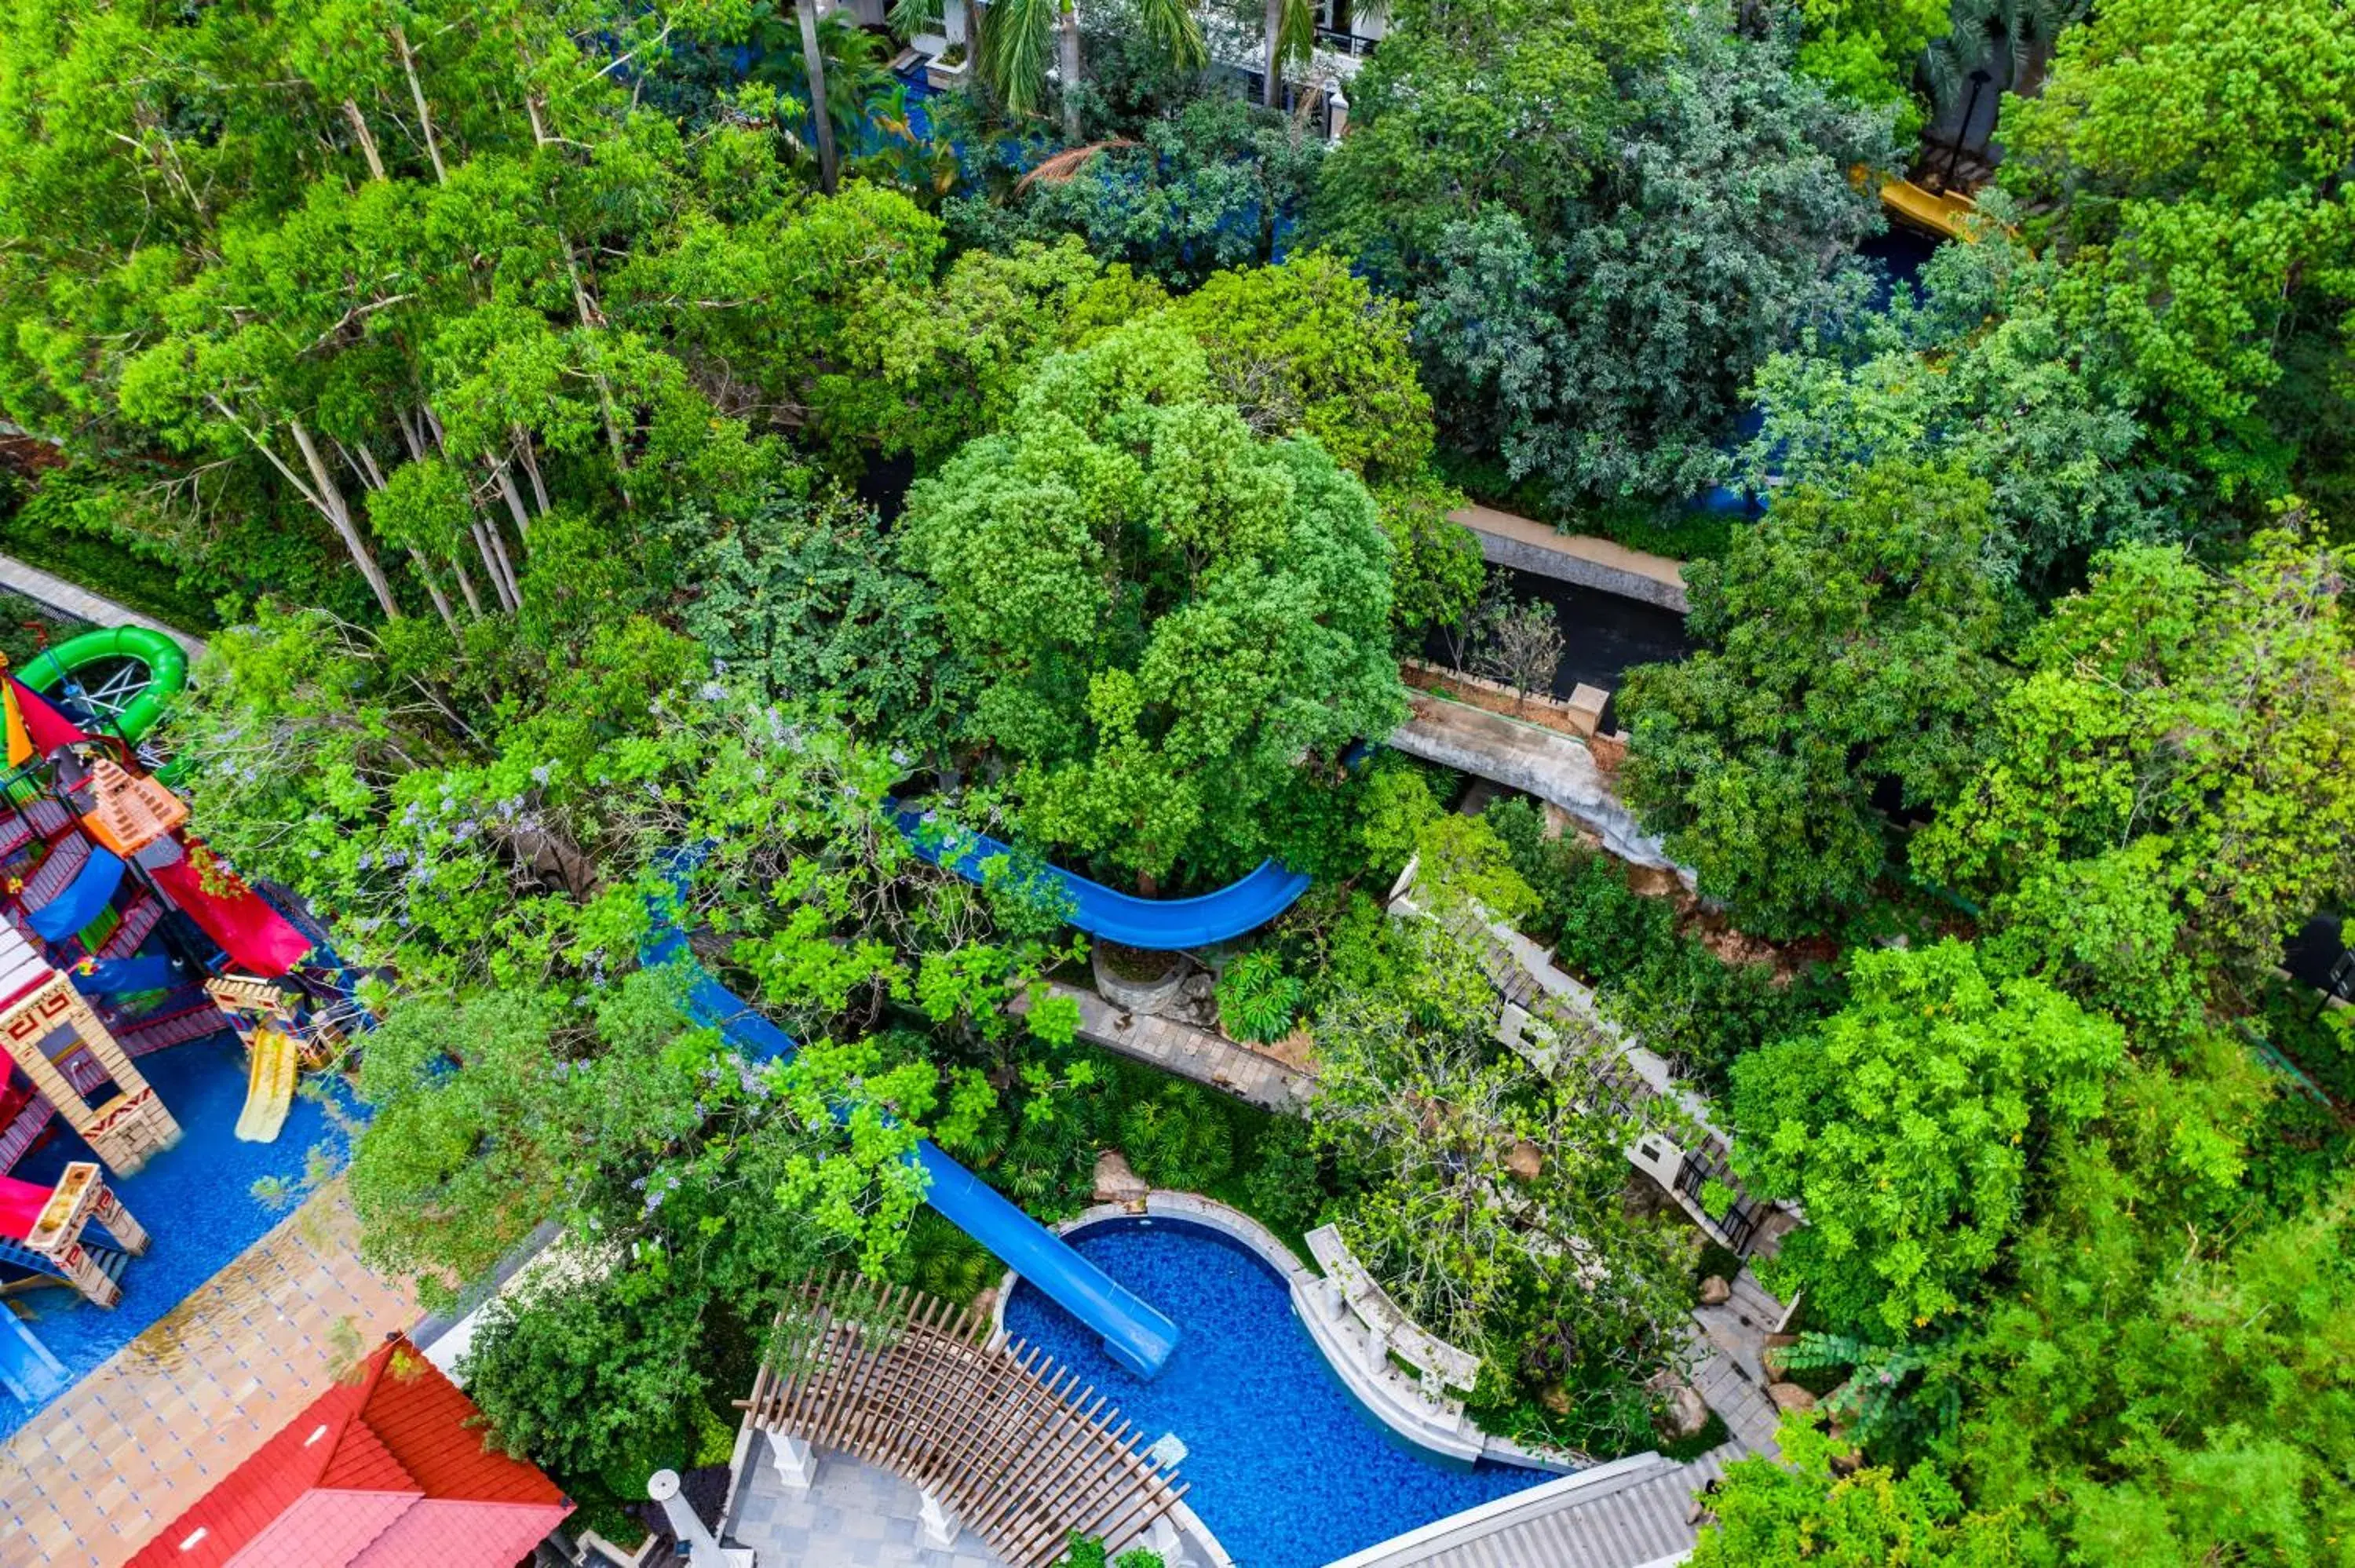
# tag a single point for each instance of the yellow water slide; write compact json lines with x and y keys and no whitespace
{"x":269,"y":1086}
{"x":1943,"y":214}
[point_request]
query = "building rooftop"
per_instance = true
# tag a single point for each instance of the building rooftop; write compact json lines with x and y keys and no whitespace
{"x":388,"y":1470}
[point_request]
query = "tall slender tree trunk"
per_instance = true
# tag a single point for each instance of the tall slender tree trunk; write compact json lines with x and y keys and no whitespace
{"x":465,"y":583}
{"x":328,"y":497}
{"x":1067,"y":65}
{"x":367,"y":143}
{"x":1271,"y":90}
{"x":424,"y":116}
{"x":814,"y":65}
{"x":434,"y":590}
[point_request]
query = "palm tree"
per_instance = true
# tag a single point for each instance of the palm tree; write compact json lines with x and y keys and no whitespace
{"x":1291,"y":33}
{"x":1018,"y":35}
{"x":768,"y":34}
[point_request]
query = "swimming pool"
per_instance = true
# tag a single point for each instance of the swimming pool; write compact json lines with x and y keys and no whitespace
{"x":1284,"y":1468}
{"x":195,"y":1200}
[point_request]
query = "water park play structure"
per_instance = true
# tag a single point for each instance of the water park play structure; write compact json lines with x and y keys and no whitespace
{"x":1134,"y":1335}
{"x":1154,"y":925}
{"x":122,"y":677}
{"x":120,"y":936}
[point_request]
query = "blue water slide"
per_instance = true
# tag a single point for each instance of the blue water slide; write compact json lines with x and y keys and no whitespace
{"x":1154,"y":925}
{"x":79,"y":903}
{"x":1134,"y":1334}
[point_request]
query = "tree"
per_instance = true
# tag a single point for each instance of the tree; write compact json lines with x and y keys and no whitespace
{"x":1018,"y":34}
{"x":1604,"y":354}
{"x":1809,"y":1510}
{"x":925,"y":366}
{"x":1290,"y":36}
{"x":1215,"y":184}
{"x":1467,"y":109}
{"x":2178,"y":732}
{"x":1307,"y":347}
{"x":2196,"y":152}
{"x":802,"y":593}
{"x":1494,"y":1207}
{"x":1171,"y":620}
{"x":388,"y":245}
{"x":2161,"y":1380}
{"x":1520,"y":645}
{"x":1870,"y":50}
{"x":1898,"y":1123}
{"x":1982,"y":372}
{"x":1851,"y":641}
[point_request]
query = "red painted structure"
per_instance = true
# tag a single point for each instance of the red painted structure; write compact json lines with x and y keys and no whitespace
{"x":383,"y":1473}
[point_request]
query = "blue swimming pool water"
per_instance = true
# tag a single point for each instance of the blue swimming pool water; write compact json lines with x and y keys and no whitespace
{"x":195,"y":1199}
{"x":1284,"y":1468}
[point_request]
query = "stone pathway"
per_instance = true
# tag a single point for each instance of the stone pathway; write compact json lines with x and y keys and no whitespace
{"x":122,"y":1453}
{"x":1729,"y":1341}
{"x":852,"y":1516}
{"x":1191,"y":1053}
{"x":83,"y":604}
{"x":1553,"y":767}
{"x":1581,"y":558}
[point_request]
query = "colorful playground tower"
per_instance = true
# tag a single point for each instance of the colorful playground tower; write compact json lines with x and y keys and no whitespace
{"x":119,"y":935}
{"x":41,"y":1231}
{"x":49,"y":1031}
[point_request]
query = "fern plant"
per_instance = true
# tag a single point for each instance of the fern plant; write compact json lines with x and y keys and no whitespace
{"x":1898,"y":1399}
{"x":1257,"y":1001}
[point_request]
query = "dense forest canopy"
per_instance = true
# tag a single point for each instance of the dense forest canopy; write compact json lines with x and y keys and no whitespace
{"x":576,"y":458}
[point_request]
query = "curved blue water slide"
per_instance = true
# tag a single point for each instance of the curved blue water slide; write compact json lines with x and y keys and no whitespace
{"x":1134,"y":1334}
{"x":1153,"y":924}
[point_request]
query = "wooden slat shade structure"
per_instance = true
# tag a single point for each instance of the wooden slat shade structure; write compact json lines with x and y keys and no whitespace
{"x":999,"y":1434}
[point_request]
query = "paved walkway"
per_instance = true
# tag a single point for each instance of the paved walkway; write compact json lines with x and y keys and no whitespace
{"x":1729,"y":1370}
{"x":1581,"y":558}
{"x":852,"y":1516}
{"x":87,"y":1481}
{"x":83,"y":604}
{"x":1191,"y":1053}
{"x":1551,"y":765}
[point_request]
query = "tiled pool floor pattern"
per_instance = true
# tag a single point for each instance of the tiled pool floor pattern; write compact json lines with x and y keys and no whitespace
{"x":85,"y":1482}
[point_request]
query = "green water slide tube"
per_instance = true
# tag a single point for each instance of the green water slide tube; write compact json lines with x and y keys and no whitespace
{"x":123,"y":678}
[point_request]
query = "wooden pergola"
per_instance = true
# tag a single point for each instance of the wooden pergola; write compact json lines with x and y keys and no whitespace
{"x":903,"y":1381}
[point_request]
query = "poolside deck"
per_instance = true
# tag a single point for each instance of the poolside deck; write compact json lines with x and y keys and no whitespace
{"x":122,"y":1454}
{"x":852,"y":1516}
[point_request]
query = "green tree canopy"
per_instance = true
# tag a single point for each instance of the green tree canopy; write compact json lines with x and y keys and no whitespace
{"x":1171,"y":618}
{"x":1899,"y":1122}
{"x":1851,"y":641}
{"x":1808,"y":1511}
{"x":1983,"y":372}
{"x":2198,"y":150}
{"x":2181,"y":734}
{"x":2164,"y":1379}
{"x":1602,"y":349}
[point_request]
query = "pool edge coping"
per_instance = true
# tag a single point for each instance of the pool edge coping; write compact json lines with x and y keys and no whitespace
{"x":1301,"y":1281}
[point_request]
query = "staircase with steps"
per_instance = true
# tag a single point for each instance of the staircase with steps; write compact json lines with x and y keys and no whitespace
{"x":56,"y":873}
{"x":23,"y":1130}
{"x":139,"y":922}
{"x":43,"y":819}
{"x":171,"y":1028}
{"x":112,"y":1261}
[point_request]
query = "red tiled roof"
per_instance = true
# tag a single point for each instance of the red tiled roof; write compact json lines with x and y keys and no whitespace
{"x":385,"y":1472}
